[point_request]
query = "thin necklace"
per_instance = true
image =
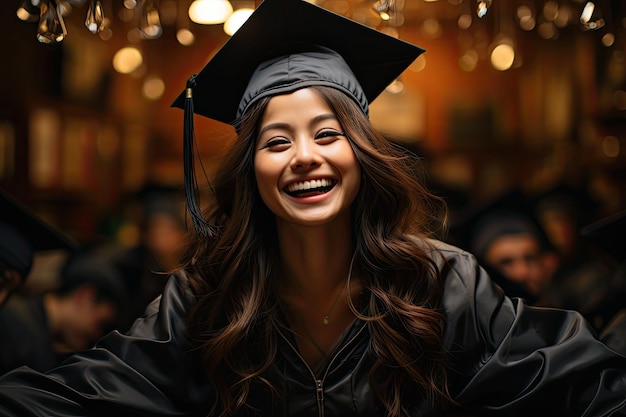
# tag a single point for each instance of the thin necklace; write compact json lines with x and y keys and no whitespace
{"x":326,"y":316}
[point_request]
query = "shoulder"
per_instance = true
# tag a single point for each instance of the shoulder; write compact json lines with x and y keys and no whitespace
{"x":168,"y":312}
{"x":444,"y":252}
{"x":469,"y":292}
{"x":454,"y":263}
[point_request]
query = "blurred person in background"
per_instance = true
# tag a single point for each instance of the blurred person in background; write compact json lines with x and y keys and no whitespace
{"x":22,"y":234}
{"x":40,"y":330}
{"x":147,"y":244}
{"x":582,"y":280}
{"x":509,"y":242}
{"x":268,"y":317}
{"x":609,"y":235}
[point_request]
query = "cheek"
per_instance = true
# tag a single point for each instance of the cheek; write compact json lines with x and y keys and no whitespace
{"x":351,"y":173}
{"x":266,"y":178}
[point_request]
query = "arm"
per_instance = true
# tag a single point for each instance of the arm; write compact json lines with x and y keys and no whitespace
{"x":144,"y":373}
{"x":511,"y":359}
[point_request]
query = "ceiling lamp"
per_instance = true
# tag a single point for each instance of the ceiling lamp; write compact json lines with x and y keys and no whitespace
{"x":482,"y":7}
{"x":127,"y":60}
{"x":210,"y":12}
{"x":153,"y":88}
{"x":185,"y":37}
{"x":502,"y":54}
{"x":28,"y":12}
{"x":590,"y":17}
{"x":235,"y":20}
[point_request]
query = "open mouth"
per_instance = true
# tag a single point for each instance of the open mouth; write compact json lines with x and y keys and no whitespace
{"x":310,"y":188}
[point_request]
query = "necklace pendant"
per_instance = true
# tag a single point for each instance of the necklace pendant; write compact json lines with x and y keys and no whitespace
{"x":326,"y":320}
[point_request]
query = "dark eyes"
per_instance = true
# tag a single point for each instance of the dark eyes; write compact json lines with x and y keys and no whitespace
{"x":274,"y":142}
{"x":322,"y":137}
{"x":328,"y":134}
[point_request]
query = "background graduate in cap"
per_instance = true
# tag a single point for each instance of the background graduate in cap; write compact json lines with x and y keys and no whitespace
{"x":312,"y":287}
{"x":41,"y":329}
{"x":582,"y":281}
{"x":510,"y":243}
{"x":22,"y":233}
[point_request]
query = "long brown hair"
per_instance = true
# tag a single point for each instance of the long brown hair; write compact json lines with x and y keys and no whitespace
{"x":234,"y":318}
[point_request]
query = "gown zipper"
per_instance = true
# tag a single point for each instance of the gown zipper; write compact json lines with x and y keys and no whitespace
{"x":319,"y":387}
{"x":319,"y":383}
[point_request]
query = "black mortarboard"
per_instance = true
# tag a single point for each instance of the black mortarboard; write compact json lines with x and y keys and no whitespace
{"x":283,"y":46}
{"x":22,"y":233}
{"x":567,"y":199}
{"x":161,"y":199}
{"x":505,"y":214}
{"x":90,"y":267}
{"x":609,"y":233}
{"x":281,"y":27}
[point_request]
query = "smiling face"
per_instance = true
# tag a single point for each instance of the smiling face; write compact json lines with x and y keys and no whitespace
{"x":306,"y":170}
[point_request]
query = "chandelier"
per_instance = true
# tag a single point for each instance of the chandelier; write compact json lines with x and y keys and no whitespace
{"x":50,"y":16}
{"x":546,"y":17}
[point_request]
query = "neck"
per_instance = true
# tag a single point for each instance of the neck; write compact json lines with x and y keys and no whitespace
{"x":315,"y":260}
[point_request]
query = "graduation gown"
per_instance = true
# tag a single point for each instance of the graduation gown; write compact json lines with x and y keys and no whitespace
{"x":25,"y":337}
{"x":506,"y":359}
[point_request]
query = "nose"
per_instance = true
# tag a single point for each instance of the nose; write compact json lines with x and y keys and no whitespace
{"x":305,"y":155}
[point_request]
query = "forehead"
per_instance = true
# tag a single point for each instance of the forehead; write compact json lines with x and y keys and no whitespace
{"x":301,"y":105}
{"x":516,"y":243}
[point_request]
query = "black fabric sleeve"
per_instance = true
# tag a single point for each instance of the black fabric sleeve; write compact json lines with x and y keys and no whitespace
{"x":511,"y":359}
{"x":146,"y":372}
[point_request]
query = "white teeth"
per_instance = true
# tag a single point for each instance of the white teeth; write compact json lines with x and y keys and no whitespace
{"x":307,"y":185}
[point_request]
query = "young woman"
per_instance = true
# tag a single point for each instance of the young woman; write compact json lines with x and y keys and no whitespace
{"x":312,"y":287}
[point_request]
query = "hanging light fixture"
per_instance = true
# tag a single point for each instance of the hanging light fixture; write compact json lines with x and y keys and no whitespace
{"x":526,"y":18}
{"x":151,"y":21}
{"x":591,"y":17}
{"x":27,"y":11}
{"x":51,"y":27}
{"x":184,"y":35}
{"x":236,"y":19}
{"x":95,"y":17}
{"x":127,"y":60}
{"x":502,"y":49}
{"x":384,"y":8}
{"x":503,"y":54}
{"x":482,"y":7}
{"x":210,"y":12}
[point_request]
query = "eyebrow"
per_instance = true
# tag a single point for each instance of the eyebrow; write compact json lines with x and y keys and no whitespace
{"x":280,"y":125}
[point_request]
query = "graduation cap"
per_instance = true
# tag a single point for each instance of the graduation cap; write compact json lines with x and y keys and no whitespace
{"x":508,"y":213}
{"x":504,"y":215}
{"x":609,"y":233}
{"x":22,"y":233}
{"x":91,"y":267}
{"x":564,"y":199}
{"x":286,"y":45}
{"x":158,"y":198}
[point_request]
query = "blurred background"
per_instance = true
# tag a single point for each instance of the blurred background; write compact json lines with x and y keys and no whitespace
{"x":515,"y":93}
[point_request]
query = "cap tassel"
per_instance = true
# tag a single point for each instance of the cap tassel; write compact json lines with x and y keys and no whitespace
{"x":202,"y":227}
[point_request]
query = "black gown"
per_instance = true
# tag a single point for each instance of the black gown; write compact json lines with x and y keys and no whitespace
{"x":25,"y":337}
{"x":506,"y":359}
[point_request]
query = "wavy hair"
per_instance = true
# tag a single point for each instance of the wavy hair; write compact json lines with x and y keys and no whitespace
{"x":233,"y":320}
